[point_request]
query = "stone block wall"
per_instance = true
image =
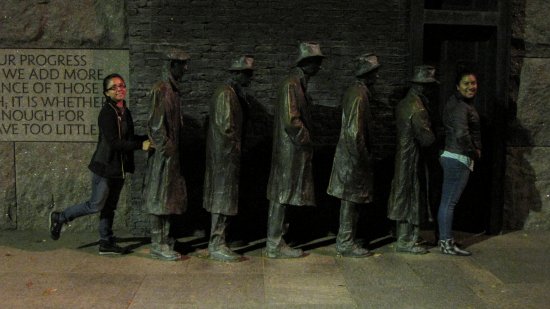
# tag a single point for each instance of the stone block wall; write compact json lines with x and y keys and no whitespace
{"x":39,"y":176}
{"x":215,"y":32}
{"x":527,"y":183}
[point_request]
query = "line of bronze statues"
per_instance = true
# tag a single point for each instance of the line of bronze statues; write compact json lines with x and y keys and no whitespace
{"x":291,"y":177}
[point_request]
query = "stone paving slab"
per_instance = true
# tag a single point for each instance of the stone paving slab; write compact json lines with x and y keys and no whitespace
{"x":506,"y":271}
{"x":516,"y":265}
{"x":307,"y":289}
{"x":73,"y":290}
{"x":204,"y":290}
{"x":200,"y":263}
{"x":421,"y":297}
{"x":311,"y":264}
{"x":390,"y":270}
{"x":521,"y":295}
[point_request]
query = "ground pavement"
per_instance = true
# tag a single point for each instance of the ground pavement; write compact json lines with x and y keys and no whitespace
{"x":506,"y":271}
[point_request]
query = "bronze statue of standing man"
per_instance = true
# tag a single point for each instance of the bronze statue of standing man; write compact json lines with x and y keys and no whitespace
{"x":165,"y":190}
{"x":223,"y":155}
{"x":351,"y":179}
{"x":291,"y":177}
{"x":413,"y":130}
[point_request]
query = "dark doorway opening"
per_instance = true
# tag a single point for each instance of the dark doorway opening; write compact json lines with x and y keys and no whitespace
{"x":450,"y":48}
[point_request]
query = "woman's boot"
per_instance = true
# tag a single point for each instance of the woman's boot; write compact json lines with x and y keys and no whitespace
{"x":448,"y":246}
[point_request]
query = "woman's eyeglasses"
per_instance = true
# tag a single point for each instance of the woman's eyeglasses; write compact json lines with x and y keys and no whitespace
{"x":117,"y":87}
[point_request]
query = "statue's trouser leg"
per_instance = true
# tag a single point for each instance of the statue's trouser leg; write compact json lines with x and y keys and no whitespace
{"x":217,"y":231}
{"x":160,"y":228}
{"x":349,"y":215}
{"x":276,"y":225}
{"x":415,"y":234}
{"x":162,"y":244}
{"x":403,"y":234}
{"x":217,"y":248}
{"x":407,"y":234}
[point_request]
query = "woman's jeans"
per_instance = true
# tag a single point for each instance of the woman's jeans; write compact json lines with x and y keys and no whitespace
{"x":104,"y":199}
{"x":455,"y":178}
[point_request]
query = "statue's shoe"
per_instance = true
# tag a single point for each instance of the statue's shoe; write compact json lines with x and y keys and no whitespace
{"x":284,"y":252}
{"x":224,"y":254}
{"x":354,"y":251}
{"x":415,"y":249}
{"x":166,"y":255}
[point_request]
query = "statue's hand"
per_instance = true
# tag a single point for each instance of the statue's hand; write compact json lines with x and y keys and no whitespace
{"x":146,"y":145}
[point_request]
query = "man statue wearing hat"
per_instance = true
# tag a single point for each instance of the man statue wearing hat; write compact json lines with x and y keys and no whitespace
{"x":165,"y":192}
{"x":228,"y":108}
{"x":413,"y":130}
{"x":291,"y":177}
{"x":351,"y":179}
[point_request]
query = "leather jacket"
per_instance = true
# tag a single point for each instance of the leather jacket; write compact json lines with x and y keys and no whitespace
{"x":462,"y":126}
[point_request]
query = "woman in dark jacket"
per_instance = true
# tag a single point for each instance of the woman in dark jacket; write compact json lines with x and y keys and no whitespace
{"x":112,"y":159}
{"x":462,"y":147}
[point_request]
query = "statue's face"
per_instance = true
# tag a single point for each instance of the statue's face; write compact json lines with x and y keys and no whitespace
{"x":245,"y":77}
{"x":178,"y":68}
{"x":371,"y":77}
{"x":467,"y":86}
{"x":311,"y":66}
{"x":116,"y":89}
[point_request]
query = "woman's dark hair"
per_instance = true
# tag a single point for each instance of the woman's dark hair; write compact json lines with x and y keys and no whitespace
{"x":107,"y":79}
{"x":463,"y":72}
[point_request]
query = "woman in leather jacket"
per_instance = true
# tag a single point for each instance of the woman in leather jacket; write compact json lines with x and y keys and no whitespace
{"x":462,"y":147}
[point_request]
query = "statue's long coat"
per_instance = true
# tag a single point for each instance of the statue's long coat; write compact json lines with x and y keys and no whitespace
{"x":352,"y":173}
{"x":165,"y":191}
{"x":291,"y":176}
{"x":223,"y":152}
{"x":413,"y":131}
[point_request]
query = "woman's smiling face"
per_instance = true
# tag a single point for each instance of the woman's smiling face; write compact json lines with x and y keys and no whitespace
{"x":116,"y":89}
{"x":467,"y":86}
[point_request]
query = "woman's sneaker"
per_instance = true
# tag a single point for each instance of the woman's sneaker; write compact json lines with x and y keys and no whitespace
{"x":55,"y":225}
{"x":111,"y":248}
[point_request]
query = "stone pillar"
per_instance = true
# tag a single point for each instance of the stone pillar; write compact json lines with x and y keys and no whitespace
{"x":527,"y":182}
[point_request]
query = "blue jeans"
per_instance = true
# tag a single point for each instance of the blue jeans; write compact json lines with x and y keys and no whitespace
{"x":104,"y":199}
{"x":455,"y":178}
